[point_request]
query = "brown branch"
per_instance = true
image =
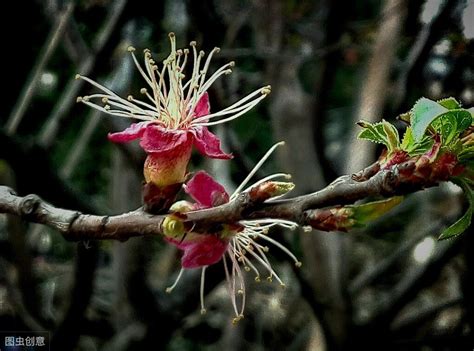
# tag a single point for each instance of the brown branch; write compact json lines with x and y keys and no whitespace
{"x":76,"y":226}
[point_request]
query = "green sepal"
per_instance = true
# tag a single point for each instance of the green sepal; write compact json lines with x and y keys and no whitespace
{"x":362,"y":214}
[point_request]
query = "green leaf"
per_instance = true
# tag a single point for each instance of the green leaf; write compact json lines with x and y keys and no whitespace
{"x":407,"y":140}
{"x":447,"y":122}
{"x":466,"y":153}
{"x":450,"y":124}
{"x":450,"y":103}
{"x":415,"y":148}
{"x":373,"y":132}
{"x":423,"y":114}
{"x":459,"y":227}
{"x":464,"y":222}
{"x":391,"y":133}
{"x":370,"y":211}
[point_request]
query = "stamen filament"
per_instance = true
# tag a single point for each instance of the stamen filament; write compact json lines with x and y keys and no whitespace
{"x":201,"y":289}
{"x":255,"y":169}
{"x":170,"y":288}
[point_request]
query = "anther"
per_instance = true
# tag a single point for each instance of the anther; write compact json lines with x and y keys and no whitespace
{"x":105,"y":100}
{"x":298,"y":264}
{"x":143,"y":91}
{"x":130,"y":98}
{"x":77,"y":76}
{"x":266,"y":90}
{"x":171,"y":34}
{"x":131,"y":49}
{"x":193,"y":43}
{"x":79,"y":99}
{"x":203,"y":311}
{"x":257,"y":279}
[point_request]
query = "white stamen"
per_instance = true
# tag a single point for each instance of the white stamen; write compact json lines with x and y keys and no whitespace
{"x":170,"y":288}
{"x":201,"y":289}
{"x":256,"y":168}
{"x":173,"y":101}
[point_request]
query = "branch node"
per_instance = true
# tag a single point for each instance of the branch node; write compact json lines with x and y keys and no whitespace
{"x":29,"y":204}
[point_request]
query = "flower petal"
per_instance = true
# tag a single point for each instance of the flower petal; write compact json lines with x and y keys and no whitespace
{"x":133,"y":132}
{"x":206,"y":250}
{"x":202,"y":107}
{"x":208,"y":144}
{"x":206,"y":191}
{"x":158,"y":140}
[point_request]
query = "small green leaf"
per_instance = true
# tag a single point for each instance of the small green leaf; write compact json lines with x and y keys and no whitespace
{"x":451,"y":123}
{"x":415,"y":148}
{"x":450,"y":103}
{"x":391,"y":132}
{"x":423,"y":114}
{"x":459,"y":227}
{"x":466,"y":153}
{"x":405,"y":117}
{"x":370,"y":211}
{"x":373,"y":132}
{"x":464,"y":222}
{"x":407,"y":140}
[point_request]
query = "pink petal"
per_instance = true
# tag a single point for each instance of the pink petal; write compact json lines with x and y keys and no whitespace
{"x":206,"y":191}
{"x":157,"y":139}
{"x":208,"y":144}
{"x":203,"y":107}
{"x":202,"y":252}
{"x":133,"y":132}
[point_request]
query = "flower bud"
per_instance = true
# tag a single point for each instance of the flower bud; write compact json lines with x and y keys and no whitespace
{"x":270,"y":189}
{"x":172,"y":227}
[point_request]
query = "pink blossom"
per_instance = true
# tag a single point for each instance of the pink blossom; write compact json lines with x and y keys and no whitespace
{"x":175,"y":114}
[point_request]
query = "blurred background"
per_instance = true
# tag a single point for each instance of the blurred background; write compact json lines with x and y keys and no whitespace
{"x":391,"y":286}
